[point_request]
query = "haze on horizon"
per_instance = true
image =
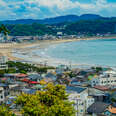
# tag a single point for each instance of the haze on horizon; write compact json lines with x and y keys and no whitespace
{"x":39,"y":9}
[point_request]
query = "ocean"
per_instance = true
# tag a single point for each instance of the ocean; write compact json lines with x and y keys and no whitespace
{"x":100,"y":52}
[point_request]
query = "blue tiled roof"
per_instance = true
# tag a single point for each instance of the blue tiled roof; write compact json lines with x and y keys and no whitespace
{"x":3,"y":85}
{"x":29,"y":91}
{"x":75,"y":89}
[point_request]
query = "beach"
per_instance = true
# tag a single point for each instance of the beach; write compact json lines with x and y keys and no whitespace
{"x":9,"y":49}
{"x":24,"y":51}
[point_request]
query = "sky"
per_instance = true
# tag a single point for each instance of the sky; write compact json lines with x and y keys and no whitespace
{"x":39,"y":9}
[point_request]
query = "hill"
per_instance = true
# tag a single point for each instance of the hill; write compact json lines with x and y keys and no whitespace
{"x":59,"y":19}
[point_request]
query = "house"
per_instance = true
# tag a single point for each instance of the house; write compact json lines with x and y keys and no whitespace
{"x":111,"y":111}
{"x":77,"y":82}
{"x":104,"y":80}
{"x":51,"y":76}
{"x":2,"y":97}
{"x":21,"y":76}
{"x":14,"y":91}
{"x":6,"y":88}
{"x":80,"y":98}
{"x":11,"y":76}
{"x":86,"y":72}
{"x":99,"y":93}
{"x":29,"y":91}
{"x":97,"y":109}
{"x":35,"y":77}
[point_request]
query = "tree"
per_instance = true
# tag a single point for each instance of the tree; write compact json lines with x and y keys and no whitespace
{"x":4,"y":30}
{"x":2,"y":72}
{"x":41,"y":70}
{"x":4,"y":111}
{"x":10,"y":70}
{"x":53,"y":101}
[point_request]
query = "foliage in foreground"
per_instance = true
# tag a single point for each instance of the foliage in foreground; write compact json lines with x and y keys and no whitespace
{"x":4,"y":111}
{"x":53,"y":101}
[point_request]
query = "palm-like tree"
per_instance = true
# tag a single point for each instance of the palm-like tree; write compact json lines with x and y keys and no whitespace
{"x":4,"y":31}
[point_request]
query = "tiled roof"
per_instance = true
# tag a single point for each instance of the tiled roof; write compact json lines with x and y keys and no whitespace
{"x":21,"y":75}
{"x":103,"y":88}
{"x":97,"y":107}
{"x":75,"y":89}
{"x":112,"y":109}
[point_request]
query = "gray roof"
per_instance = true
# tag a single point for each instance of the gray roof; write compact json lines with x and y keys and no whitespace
{"x":3,"y":85}
{"x":97,"y":107}
{"x":35,"y":76}
{"x":75,"y":89}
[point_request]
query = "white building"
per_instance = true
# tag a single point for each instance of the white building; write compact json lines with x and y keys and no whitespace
{"x":80,"y":98}
{"x":2,"y":98}
{"x":3,"y":60}
{"x":105,"y":79}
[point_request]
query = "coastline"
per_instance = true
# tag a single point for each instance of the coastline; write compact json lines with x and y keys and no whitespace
{"x":9,"y":49}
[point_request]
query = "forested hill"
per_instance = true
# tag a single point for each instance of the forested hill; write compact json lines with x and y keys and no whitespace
{"x":29,"y":29}
{"x":101,"y":26}
{"x":88,"y":24}
{"x":87,"y":27}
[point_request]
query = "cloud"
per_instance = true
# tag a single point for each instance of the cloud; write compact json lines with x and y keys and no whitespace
{"x":18,"y":9}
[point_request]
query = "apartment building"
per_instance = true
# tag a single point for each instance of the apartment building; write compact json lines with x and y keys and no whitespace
{"x":3,"y":60}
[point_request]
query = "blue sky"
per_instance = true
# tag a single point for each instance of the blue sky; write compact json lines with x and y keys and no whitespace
{"x":38,"y":9}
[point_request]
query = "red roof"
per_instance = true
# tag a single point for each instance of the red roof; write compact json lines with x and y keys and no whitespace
{"x":33,"y":82}
{"x":103,"y":88}
{"x":112,"y":109}
{"x":21,"y":75}
{"x":25,"y":80}
{"x":4,"y":79}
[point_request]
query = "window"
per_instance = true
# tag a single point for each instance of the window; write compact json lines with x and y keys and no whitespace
{"x":1,"y":97}
{"x":0,"y":91}
{"x":81,"y":110}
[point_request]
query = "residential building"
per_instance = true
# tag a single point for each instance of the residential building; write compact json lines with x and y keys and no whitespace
{"x":2,"y":98}
{"x":97,"y":109}
{"x":104,"y":80}
{"x":111,"y":111}
{"x":3,"y":60}
{"x":80,"y":98}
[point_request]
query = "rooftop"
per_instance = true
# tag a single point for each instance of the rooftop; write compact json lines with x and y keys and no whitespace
{"x":112,"y":109}
{"x":102,"y":88}
{"x":97,"y":107}
{"x":75,"y":89}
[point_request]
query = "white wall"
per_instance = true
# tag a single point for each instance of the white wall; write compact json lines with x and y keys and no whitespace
{"x":2,"y":98}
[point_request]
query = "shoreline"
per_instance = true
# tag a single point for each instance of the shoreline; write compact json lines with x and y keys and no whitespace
{"x":8,"y":49}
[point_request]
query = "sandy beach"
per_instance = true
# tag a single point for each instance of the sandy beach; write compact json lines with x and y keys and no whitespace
{"x":25,"y":49}
{"x":8,"y":49}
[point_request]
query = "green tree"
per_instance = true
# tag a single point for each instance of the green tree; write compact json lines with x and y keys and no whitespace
{"x":53,"y":101}
{"x":4,"y":30}
{"x":10,"y":70}
{"x":4,"y":111}
{"x":2,"y":72}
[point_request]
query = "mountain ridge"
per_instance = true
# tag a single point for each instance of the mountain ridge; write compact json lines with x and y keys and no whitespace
{"x":59,"y":19}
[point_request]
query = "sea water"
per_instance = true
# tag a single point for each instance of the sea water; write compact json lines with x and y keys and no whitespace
{"x":88,"y":52}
